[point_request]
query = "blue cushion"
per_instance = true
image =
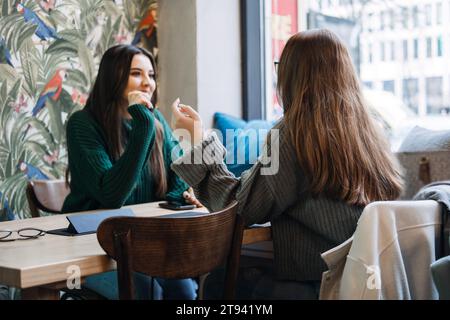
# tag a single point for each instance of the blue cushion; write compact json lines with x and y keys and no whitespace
{"x":244,"y":140}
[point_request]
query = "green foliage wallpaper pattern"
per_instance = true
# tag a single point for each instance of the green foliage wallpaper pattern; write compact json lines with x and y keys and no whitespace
{"x":49,"y":54}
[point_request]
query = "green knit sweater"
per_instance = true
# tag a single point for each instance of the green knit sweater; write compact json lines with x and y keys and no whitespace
{"x":97,"y":181}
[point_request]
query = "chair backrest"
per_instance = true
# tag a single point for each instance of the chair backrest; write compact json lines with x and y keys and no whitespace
{"x":46,"y":195}
{"x":174,"y":247}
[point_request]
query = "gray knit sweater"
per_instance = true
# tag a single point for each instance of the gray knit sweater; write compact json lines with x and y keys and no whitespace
{"x":302,"y":226}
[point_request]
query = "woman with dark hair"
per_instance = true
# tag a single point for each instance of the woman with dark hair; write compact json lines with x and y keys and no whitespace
{"x":119,"y":150}
{"x":323,"y":163}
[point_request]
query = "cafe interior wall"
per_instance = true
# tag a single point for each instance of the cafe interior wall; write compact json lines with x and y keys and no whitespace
{"x":49,"y":55}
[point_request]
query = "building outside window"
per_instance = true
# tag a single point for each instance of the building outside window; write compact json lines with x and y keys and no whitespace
{"x":410,"y":63}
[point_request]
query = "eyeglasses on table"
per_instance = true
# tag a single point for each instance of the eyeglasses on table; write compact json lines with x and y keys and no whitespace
{"x":23,"y":234}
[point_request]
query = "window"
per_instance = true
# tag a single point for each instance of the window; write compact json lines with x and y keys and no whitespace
{"x":405,"y":18}
{"x":439,"y":46}
{"x":391,"y":19}
{"x":368,"y":84}
{"x":428,"y":15}
{"x":389,"y":86}
{"x":439,"y":13}
{"x":411,"y":93}
{"x":415,"y":16}
{"x":369,"y":22}
{"x":392,"y":51}
{"x":434,"y":95}
{"x":405,"y":50}
{"x":429,"y":47}
{"x":416,"y":48}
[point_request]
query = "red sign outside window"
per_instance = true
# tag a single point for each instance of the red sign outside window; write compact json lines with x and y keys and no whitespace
{"x":284,"y":25}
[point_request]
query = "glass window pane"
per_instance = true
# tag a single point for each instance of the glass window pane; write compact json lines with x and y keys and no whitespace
{"x":439,"y":13}
{"x":389,"y":86}
{"x":407,"y":65}
{"x":405,"y":50}
{"x":411,"y":93}
{"x":416,"y":48}
{"x":428,"y":14}
{"x":415,"y":16}
{"x":392,"y":50}
{"x":434,"y":95}
{"x":429,"y":47}
{"x":439,"y":46}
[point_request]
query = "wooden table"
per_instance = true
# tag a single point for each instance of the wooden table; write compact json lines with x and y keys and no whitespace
{"x":40,"y":266}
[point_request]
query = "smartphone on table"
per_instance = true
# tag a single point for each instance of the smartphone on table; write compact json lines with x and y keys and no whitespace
{"x":174,"y":205}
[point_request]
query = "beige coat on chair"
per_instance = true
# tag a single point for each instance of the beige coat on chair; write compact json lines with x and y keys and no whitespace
{"x":388,"y":257}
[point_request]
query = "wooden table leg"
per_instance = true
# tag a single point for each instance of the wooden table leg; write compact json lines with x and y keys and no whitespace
{"x":40,"y":293}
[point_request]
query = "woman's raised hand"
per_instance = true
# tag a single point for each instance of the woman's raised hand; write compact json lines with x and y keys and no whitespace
{"x":139,"y":97}
{"x":188,"y":119}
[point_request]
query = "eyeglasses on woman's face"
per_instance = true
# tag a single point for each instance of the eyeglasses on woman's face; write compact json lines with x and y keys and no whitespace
{"x":23,"y":234}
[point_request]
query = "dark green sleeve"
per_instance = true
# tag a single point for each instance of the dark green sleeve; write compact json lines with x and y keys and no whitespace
{"x":176,"y":186}
{"x":109,"y":183}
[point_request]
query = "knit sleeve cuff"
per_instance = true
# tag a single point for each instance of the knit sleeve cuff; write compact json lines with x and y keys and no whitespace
{"x":140,"y":113}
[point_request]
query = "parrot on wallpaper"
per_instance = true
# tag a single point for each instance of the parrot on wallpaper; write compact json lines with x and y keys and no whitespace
{"x":51,"y":90}
{"x":47,"y":5}
{"x":9,"y":213}
{"x":146,"y":26}
{"x":5,"y":55}
{"x":43,"y":31}
{"x":32,"y":172}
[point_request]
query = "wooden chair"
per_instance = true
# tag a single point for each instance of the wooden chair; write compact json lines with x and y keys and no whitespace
{"x":46,"y":195}
{"x":181,"y":247}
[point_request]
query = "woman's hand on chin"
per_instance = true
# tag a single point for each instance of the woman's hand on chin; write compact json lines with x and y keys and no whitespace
{"x":139,"y":97}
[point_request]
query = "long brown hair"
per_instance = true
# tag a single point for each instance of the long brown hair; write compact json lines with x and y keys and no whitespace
{"x":342,"y":152}
{"x":105,"y":103}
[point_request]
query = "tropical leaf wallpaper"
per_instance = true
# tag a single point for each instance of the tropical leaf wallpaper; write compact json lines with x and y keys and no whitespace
{"x":49,"y":54}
